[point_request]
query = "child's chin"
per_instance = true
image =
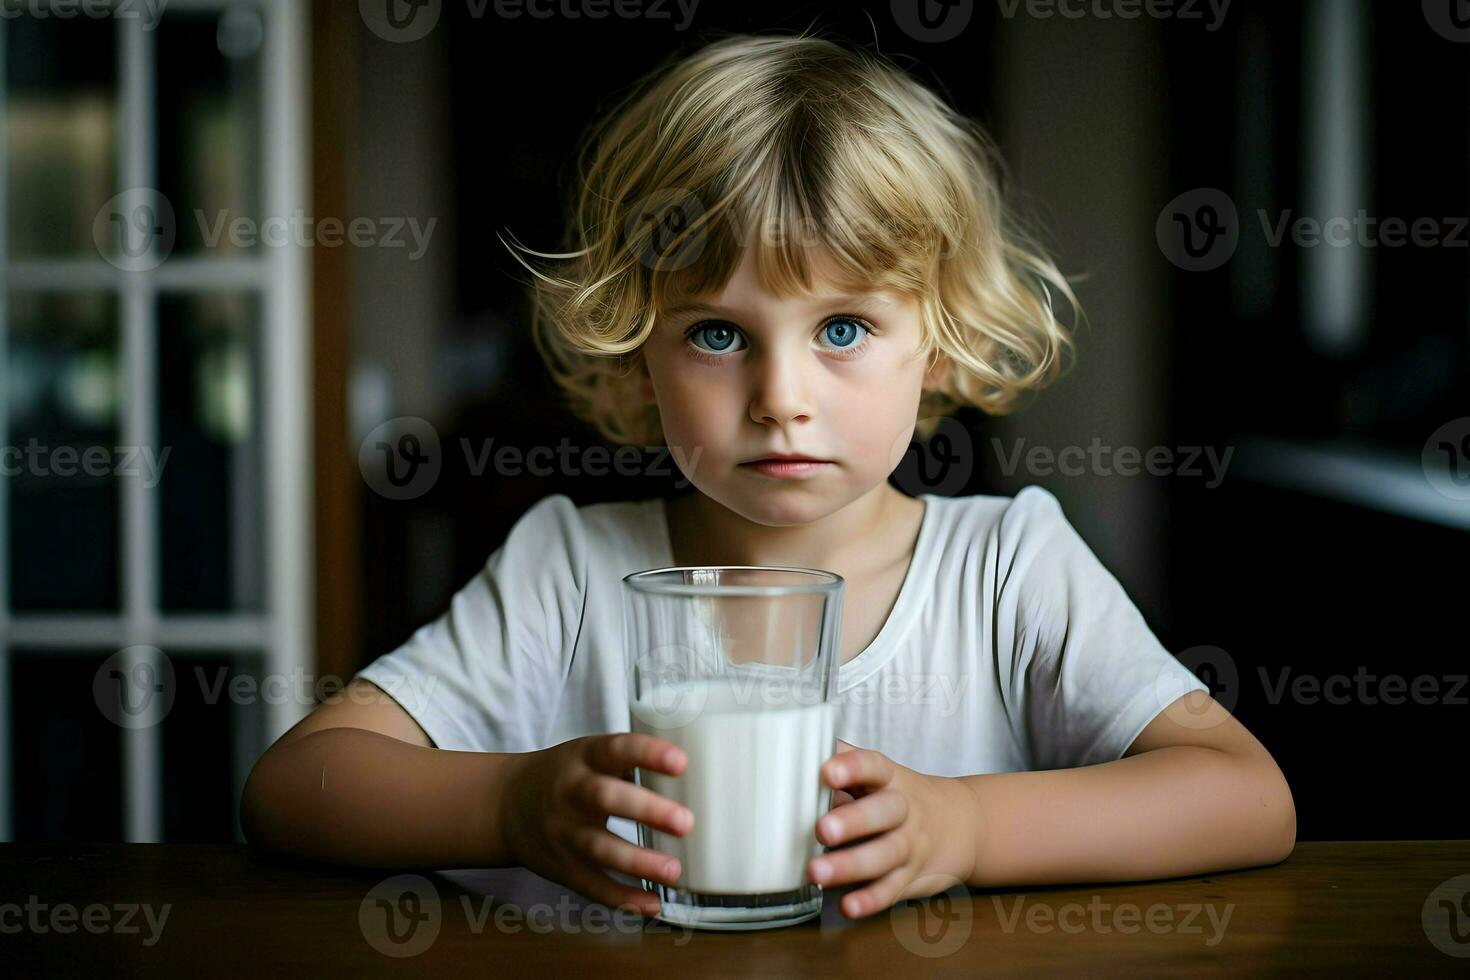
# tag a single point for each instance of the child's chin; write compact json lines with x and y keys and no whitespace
{"x":783,"y":503}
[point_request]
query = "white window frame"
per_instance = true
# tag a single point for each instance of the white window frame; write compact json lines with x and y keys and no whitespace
{"x":282,"y":633}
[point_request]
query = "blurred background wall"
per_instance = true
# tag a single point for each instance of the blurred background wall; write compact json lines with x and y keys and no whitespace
{"x":1263,"y":206}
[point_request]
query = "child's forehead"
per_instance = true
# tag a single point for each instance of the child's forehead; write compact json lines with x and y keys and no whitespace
{"x":747,"y":284}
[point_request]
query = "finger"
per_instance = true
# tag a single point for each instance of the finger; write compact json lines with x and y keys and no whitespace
{"x":607,"y":850}
{"x":861,"y":863}
{"x":605,"y":796}
{"x":636,"y":750}
{"x":873,"y":814}
{"x":877,"y":896}
{"x":597,"y":886}
{"x":859,"y":767}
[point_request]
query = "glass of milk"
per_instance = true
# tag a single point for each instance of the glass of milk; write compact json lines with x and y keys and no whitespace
{"x":737,"y":665}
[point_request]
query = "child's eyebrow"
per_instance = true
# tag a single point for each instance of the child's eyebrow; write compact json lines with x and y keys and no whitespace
{"x":860,"y":299}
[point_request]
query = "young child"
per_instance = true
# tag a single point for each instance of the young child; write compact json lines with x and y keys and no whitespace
{"x":789,"y":247}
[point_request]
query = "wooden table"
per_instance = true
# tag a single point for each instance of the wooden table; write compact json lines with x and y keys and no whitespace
{"x":218,"y":909}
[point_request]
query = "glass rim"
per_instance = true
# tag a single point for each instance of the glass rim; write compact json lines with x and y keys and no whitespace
{"x":646,"y":582}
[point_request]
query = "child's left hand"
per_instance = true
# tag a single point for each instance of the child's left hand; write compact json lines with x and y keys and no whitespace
{"x":925,"y":827}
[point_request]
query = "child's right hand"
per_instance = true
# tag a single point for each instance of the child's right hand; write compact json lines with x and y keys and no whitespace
{"x":556,"y":806}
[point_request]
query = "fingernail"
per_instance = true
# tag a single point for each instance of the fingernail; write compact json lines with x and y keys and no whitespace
{"x":671,"y":871}
{"x":821,"y":871}
{"x":839,"y":773}
{"x":831,"y":826}
{"x":683,"y":820}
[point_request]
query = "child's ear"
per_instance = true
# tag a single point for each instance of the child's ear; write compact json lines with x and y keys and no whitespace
{"x":645,"y":383}
{"x":938,"y":371}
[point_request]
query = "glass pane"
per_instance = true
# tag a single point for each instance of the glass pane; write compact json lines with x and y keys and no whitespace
{"x":210,"y":534}
{"x":68,"y":755}
{"x":218,"y":701}
{"x":209,"y":126}
{"x":61,"y":110}
{"x":62,"y":458}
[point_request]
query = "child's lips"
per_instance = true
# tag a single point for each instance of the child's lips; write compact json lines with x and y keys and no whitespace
{"x":787,"y":468}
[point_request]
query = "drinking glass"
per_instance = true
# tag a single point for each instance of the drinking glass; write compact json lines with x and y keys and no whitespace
{"x":737,"y":665}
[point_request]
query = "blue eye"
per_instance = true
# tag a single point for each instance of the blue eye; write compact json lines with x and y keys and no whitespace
{"x":720,"y":336}
{"x":842,"y":333}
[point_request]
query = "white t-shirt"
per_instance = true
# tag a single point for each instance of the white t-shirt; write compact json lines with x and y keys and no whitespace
{"x":1010,"y":646}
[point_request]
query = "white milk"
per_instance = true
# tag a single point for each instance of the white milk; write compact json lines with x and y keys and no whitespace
{"x":753,"y":783}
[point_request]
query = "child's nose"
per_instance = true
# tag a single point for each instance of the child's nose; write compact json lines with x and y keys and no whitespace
{"x":781,"y":393}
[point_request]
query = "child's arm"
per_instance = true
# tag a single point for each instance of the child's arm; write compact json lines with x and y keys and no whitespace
{"x":358,"y":782}
{"x":1194,"y":793}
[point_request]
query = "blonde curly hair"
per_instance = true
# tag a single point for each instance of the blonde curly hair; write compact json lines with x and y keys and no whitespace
{"x":788,"y":143}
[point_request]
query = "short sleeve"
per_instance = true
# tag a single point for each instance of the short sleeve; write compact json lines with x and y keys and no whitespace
{"x":487,"y":674}
{"x":1087,"y":673}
